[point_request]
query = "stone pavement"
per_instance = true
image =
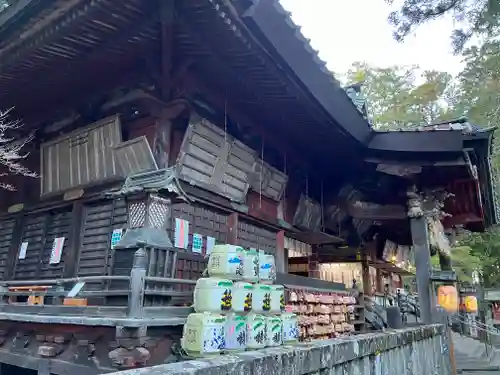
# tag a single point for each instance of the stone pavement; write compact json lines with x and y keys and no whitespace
{"x":468,"y":365}
{"x":474,"y":358}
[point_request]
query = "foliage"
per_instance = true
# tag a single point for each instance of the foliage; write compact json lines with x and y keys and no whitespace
{"x":475,"y":17}
{"x":399,"y":98}
{"x":387,"y":90}
{"x":479,"y":93}
{"x":464,"y":262}
{"x":486,"y":247}
{"x":480,"y":84}
{"x":11,"y":155}
{"x":4,"y":4}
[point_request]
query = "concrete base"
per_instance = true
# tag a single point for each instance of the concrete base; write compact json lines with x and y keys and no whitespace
{"x":418,"y":351}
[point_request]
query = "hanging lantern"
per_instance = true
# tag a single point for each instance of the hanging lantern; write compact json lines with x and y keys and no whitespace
{"x":470,"y":304}
{"x":447,"y":298}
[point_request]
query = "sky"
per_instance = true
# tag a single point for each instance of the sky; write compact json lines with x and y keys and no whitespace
{"x":346,"y":31}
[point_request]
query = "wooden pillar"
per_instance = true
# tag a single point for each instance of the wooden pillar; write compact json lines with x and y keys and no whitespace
{"x":372,"y":255}
{"x":232,"y":229}
{"x":379,"y":285}
{"x":14,"y":250}
{"x":314,"y":263}
{"x":420,"y":237}
{"x":365,"y":271}
{"x":167,"y":45}
{"x":71,"y":256}
{"x":163,"y":134}
{"x":281,"y":253}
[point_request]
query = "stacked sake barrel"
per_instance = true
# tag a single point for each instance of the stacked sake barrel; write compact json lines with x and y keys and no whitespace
{"x":238,"y":307}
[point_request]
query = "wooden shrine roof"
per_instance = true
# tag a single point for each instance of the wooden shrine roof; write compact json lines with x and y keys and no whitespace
{"x":56,"y":53}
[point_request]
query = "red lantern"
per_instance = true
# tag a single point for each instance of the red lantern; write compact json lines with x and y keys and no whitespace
{"x":470,"y":304}
{"x":447,"y":298}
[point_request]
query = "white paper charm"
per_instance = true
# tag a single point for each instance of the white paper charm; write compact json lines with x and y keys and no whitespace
{"x":23,"y":249}
{"x":181,"y":233}
{"x":57,"y":248}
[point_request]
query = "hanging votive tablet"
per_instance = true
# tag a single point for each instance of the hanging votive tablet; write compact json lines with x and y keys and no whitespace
{"x":242,"y":297}
{"x":226,"y":261}
{"x":274,"y":328}
{"x":251,"y":265}
{"x":267,"y":268}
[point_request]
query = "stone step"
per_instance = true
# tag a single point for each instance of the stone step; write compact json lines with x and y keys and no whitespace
{"x":467,"y":369}
{"x":467,"y":364}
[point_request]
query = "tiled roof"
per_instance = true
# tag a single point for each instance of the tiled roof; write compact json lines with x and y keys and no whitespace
{"x":285,"y":41}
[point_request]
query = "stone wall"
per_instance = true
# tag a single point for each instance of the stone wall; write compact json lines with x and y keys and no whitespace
{"x":416,"y":351}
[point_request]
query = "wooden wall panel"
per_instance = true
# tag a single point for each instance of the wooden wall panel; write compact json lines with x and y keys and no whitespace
{"x":253,"y":236}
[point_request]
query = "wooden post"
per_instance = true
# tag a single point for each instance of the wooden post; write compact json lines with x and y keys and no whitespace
{"x":136,"y":291}
{"x":420,"y":237}
{"x":71,"y":256}
{"x":232,"y":229}
{"x":14,"y":249}
{"x":452,"y":352}
{"x":314,"y":264}
{"x":281,"y":253}
{"x":379,"y":287}
{"x":365,"y":271}
{"x":167,"y":45}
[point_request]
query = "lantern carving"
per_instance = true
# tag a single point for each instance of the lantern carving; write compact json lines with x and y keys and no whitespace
{"x":470,"y":304}
{"x":447,"y":298}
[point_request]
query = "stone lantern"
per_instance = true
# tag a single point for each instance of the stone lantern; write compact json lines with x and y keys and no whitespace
{"x":148,"y":220}
{"x":148,"y":212}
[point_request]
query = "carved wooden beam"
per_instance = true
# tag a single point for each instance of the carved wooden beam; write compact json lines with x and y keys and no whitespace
{"x":167,"y":14}
{"x":219,"y":101}
{"x":372,"y":211}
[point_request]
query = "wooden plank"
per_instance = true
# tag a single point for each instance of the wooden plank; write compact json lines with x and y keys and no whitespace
{"x":314,"y":264}
{"x":14,"y":249}
{"x":232,"y":229}
{"x":281,"y":253}
{"x":75,"y":302}
{"x":167,"y":14}
{"x":71,"y":256}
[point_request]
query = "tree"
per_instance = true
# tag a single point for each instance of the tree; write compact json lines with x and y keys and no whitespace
{"x":480,"y":84}
{"x":396,"y":100}
{"x":486,"y":247}
{"x":475,"y":17}
{"x":4,"y":4}
{"x":11,"y":155}
{"x":387,"y":90}
{"x":478,"y":93}
{"x":428,"y":99}
{"x":463,"y":261}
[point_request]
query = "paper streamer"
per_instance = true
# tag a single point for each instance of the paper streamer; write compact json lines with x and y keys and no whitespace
{"x":23,"y":249}
{"x":197,"y":243}
{"x":210,"y":244}
{"x":181,"y":233}
{"x":57,"y":248}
